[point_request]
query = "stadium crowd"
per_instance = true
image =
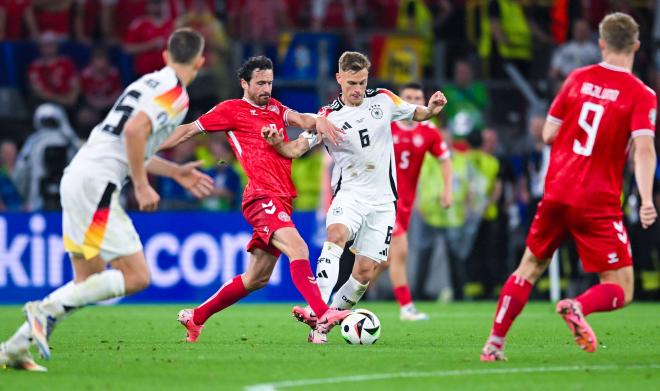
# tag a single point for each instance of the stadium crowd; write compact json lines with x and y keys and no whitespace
{"x":499,"y":63}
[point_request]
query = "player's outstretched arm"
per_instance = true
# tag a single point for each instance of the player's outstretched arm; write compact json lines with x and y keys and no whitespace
{"x":290,"y":149}
{"x":136,"y":132}
{"x":549,"y":133}
{"x":317,"y":123}
{"x":187,"y":175}
{"x":436,"y":103}
{"x":180,"y":134}
{"x":645,"y":162}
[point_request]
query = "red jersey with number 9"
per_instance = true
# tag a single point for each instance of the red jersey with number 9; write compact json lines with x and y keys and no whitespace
{"x":599,"y":109}
{"x":410,"y":146}
{"x":268,"y":172}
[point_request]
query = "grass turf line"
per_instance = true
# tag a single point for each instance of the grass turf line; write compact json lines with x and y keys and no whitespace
{"x":139,"y":347}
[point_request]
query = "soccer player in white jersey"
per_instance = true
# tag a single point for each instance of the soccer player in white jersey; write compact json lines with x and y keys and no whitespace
{"x":363,"y":208}
{"x":96,"y":230}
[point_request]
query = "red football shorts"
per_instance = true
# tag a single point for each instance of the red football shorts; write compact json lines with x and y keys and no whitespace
{"x":402,"y":221}
{"x":266,"y":215}
{"x":600,"y":236}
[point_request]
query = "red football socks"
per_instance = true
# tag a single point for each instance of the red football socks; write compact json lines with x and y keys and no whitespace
{"x":601,"y":298}
{"x":402,"y":294}
{"x":513,"y":298}
{"x":303,"y":279}
{"x":228,"y":294}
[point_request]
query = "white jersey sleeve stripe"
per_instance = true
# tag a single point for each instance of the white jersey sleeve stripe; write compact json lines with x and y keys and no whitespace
{"x":199,"y":126}
{"x":642,"y":132}
{"x":236,"y":143}
{"x":554,"y":120}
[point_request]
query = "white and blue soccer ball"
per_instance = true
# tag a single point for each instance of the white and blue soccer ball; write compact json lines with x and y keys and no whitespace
{"x":361,"y":327}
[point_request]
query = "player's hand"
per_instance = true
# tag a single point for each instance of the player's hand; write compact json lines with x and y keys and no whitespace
{"x":446,"y":199}
{"x":329,"y":131}
{"x":146,"y":197}
{"x":437,"y":102}
{"x":647,"y":214}
{"x":193,"y":180}
{"x":273,"y":136}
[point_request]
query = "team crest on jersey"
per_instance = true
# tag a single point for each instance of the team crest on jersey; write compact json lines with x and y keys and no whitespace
{"x":652,"y":114}
{"x":376,"y":111}
{"x":253,"y":112}
{"x":283,"y":216}
{"x":337,"y":211}
{"x":274,"y":109}
{"x":418,"y":140}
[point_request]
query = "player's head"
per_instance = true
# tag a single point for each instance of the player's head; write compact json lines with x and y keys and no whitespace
{"x":412,"y":92}
{"x":619,"y":34}
{"x":352,"y":77}
{"x":256,"y":75}
{"x":185,"y":47}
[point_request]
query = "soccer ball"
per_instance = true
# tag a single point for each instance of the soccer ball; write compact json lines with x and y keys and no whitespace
{"x":361,"y":327}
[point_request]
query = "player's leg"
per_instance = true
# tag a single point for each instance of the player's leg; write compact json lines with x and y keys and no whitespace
{"x":545,"y":235}
{"x":349,"y":294}
{"x":397,"y":261}
{"x":602,"y":244}
{"x":255,"y":277}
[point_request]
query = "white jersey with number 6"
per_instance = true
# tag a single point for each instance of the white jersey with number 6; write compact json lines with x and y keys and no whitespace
{"x":161,"y":96}
{"x":364,"y":161}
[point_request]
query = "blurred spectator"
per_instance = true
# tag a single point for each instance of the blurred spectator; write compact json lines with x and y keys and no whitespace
{"x":17,"y":20}
{"x":120,"y":14}
{"x":578,"y":52}
{"x":227,"y":192}
{"x":306,"y":173}
{"x":92,"y":19}
{"x":101,"y":86}
{"x":9,"y":197}
{"x":465,"y":94}
{"x":449,"y":28}
{"x":415,"y":18}
{"x":55,"y":16}
{"x":333,"y":14}
{"x":257,"y":21}
{"x":481,"y":221}
{"x":212,"y":80}
{"x":53,"y":77}
{"x":506,"y":36}
{"x":146,"y":37}
{"x":436,"y":239}
{"x":44,"y":156}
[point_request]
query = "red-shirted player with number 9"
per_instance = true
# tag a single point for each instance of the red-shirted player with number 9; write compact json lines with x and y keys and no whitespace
{"x":599,"y":109}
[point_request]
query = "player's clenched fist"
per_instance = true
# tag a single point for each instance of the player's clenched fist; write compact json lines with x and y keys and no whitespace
{"x":647,"y":214}
{"x":437,"y":102}
{"x":146,"y":197}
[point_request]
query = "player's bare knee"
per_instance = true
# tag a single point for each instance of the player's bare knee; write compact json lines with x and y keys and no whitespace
{"x":337,"y":235}
{"x":136,"y":281}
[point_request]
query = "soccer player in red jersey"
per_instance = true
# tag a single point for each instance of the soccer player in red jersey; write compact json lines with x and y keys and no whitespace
{"x":267,"y":197}
{"x":411,"y":142}
{"x":599,"y":109}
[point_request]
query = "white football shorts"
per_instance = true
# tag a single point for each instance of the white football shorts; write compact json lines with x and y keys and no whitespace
{"x":93,"y":221}
{"x":369,"y":225}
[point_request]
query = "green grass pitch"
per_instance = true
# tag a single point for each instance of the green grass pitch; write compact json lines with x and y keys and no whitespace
{"x":261,"y":347}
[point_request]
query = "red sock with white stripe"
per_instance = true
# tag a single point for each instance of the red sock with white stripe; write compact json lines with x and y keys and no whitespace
{"x":228,"y":294}
{"x":513,"y":298}
{"x":303,"y":279}
{"x":402,"y":294}
{"x":601,"y":298}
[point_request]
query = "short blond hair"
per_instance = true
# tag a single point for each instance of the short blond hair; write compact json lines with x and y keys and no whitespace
{"x":353,"y":62}
{"x":619,"y":31}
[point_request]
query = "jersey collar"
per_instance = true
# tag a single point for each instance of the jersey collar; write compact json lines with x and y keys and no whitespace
{"x":613,"y":67}
{"x":257,"y":106}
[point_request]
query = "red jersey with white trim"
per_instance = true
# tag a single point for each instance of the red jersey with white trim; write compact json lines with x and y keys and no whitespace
{"x":268,"y":172}
{"x":599,"y":108}
{"x":410,"y":146}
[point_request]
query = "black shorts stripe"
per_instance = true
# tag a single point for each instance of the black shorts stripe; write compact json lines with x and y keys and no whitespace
{"x":107,"y":196}
{"x":393,"y":182}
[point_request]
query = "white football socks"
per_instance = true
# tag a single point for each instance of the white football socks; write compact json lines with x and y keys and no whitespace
{"x":97,"y":287}
{"x":327,"y":269}
{"x":349,"y":294}
{"x":21,"y":340}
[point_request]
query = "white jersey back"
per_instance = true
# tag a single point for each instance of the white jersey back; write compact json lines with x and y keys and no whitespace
{"x":364,"y":161}
{"x":161,"y":96}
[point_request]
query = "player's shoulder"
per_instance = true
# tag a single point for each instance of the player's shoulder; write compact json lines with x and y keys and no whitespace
{"x":333,"y":107}
{"x":381,"y":93}
{"x":428,"y":125}
{"x":158,"y":82}
{"x":641,"y":89}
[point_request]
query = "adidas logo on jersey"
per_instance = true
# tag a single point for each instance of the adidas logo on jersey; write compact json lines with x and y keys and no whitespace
{"x":383,"y":253}
{"x":346,"y":126}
